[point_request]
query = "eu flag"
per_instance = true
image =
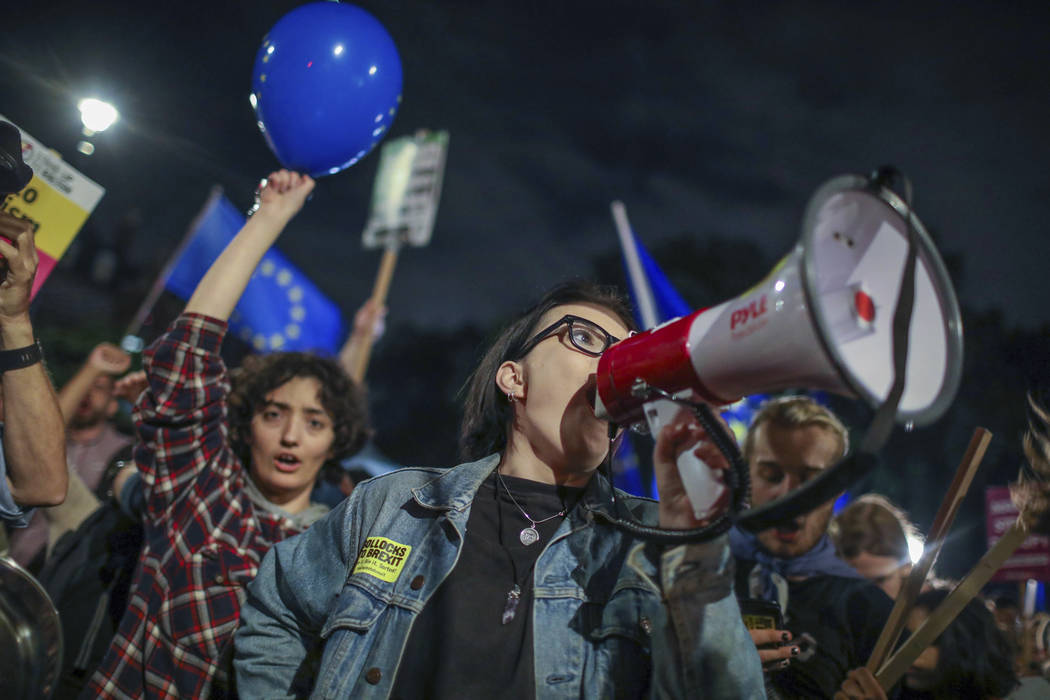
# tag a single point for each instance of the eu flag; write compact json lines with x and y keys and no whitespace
{"x":281,"y":309}
{"x":655,"y":301}
{"x":668,"y":302}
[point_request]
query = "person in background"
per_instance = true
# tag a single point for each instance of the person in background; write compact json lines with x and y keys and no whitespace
{"x":224,"y":475}
{"x":871,"y":535}
{"x":971,"y":660}
{"x":88,"y":402}
{"x":832,"y":616}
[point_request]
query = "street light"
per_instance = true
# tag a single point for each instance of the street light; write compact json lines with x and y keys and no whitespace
{"x":97,"y":116}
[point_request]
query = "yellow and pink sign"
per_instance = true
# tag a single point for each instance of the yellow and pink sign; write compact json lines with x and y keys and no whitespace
{"x":57,"y":201}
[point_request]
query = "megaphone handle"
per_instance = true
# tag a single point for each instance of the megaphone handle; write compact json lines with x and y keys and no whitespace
{"x":697,"y":478}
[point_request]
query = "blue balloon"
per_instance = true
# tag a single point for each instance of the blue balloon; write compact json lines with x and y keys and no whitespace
{"x":326,"y":87}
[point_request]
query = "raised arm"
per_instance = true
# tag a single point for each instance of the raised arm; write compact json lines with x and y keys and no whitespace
{"x":365,"y":321}
{"x":181,"y":416}
{"x":221,"y":287}
{"x":105,"y":359}
{"x":34,"y":435}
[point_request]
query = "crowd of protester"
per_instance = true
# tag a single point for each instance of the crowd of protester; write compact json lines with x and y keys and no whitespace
{"x":221,"y":549}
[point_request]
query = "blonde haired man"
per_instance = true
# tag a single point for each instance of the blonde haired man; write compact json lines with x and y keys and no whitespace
{"x":832,"y":617}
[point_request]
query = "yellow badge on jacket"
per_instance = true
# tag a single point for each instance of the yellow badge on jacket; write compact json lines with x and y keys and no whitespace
{"x":382,"y":558}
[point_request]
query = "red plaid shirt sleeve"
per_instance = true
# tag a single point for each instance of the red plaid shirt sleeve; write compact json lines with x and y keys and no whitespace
{"x":203,"y":536}
{"x":181,"y":416}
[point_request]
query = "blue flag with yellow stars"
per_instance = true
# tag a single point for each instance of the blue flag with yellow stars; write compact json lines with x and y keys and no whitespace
{"x":281,"y":309}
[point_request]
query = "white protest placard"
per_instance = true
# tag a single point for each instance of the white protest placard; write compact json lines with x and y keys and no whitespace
{"x":407,"y":190}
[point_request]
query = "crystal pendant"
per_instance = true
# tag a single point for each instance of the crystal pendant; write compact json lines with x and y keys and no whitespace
{"x":529,"y":536}
{"x":511,"y":606}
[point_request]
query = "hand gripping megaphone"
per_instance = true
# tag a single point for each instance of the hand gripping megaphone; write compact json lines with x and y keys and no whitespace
{"x":824,"y":318}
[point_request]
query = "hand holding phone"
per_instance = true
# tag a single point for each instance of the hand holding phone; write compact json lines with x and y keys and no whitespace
{"x":766,"y":624}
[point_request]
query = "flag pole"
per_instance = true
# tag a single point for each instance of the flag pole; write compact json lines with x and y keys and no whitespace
{"x":643,"y":294}
{"x":157,"y":289}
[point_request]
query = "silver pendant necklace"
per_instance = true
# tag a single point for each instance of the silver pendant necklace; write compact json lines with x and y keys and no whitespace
{"x":528,"y":535}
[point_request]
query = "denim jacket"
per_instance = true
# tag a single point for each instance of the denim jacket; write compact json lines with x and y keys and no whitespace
{"x":613,"y":617}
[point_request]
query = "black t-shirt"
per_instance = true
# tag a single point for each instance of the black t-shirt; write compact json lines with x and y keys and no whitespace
{"x":459,"y":646}
{"x":834,"y":621}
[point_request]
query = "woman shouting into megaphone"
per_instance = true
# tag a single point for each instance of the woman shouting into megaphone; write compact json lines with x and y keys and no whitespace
{"x":494,"y":578}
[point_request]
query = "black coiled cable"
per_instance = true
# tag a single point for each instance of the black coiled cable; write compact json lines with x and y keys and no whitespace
{"x":738,"y":482}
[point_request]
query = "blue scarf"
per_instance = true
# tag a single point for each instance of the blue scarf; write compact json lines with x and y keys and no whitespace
{"x":821,"y":560}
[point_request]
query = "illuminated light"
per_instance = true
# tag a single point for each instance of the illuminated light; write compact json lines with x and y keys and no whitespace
{"x":378,"y":130}
{"x":372,"y":70}
{"x":97,"y":115}
{"x":262,"y":78}
{"x":379,"y":118}
{"x":276,"y":341}
{"x":779,"y":286}
{"x":259,"y":342}
{"x":297,"y":313}
{"x":86,"y":147}
{"x":254,"y":100}
{"x":915,"y":549}
{"x":266,"y":58}
{"x":338,"y":51}
{"x":333,"y":171}
{"x":132,"y":344}
{"x":270,"y":49}
{"x":262,"y":127}
{"x":292,"y":331}
{"x":310,"y":64}
{"x":392,"y":111}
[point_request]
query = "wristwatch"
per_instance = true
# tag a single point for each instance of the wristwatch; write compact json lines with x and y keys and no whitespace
{"x":20,"y":357}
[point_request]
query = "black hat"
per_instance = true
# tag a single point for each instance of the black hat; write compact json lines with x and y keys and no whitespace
{"x":14,"y":173}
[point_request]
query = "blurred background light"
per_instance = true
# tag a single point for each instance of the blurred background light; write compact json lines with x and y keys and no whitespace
{"x":96,"y":115}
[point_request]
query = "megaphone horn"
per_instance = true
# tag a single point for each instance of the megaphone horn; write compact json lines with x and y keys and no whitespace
{"x":821,"y":319}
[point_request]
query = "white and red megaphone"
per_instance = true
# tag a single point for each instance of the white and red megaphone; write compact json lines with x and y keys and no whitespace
{"x":822,"y":319}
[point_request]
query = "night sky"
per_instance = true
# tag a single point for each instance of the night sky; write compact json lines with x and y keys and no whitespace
{"x":706,"y":118}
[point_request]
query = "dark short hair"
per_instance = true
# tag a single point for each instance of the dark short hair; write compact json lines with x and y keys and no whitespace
{"x":974,"y":660}
{"x":487,"y":413}
{"x":341,"y":397}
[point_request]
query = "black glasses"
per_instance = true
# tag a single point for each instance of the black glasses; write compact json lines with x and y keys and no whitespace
{"x":586,"y":336}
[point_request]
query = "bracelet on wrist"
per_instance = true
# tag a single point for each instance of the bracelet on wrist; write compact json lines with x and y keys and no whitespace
{"x":20,"y":358}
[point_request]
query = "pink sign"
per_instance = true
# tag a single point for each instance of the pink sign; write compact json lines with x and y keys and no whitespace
{"x":1032,"y":558}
